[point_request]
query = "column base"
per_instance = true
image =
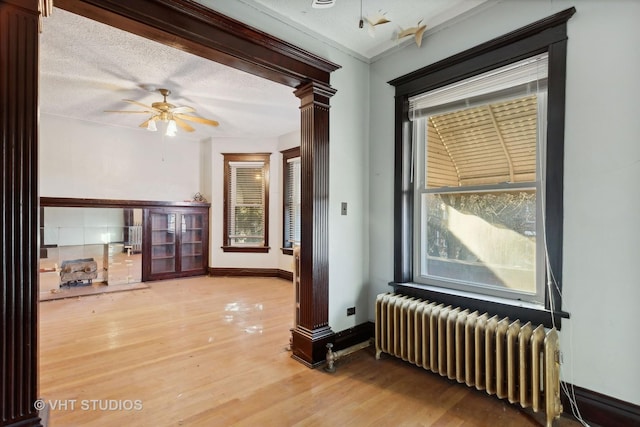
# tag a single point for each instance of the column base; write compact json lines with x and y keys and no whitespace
{"x":310,"y":346}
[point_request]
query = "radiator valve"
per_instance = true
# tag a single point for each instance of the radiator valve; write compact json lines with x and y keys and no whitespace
{"x":331,"y":358}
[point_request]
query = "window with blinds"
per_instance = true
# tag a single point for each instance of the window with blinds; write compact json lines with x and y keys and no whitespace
{"x":478,"y":180}
{"x":291,"y":196}
{"x":246,"y":200}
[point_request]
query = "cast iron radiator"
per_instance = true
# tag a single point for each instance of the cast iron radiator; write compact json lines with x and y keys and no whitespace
{"x":519,"y":362}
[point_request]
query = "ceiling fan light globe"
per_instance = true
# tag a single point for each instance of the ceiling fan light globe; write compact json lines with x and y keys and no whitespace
{"x":172,"y":129}
{"x":151,"y":126}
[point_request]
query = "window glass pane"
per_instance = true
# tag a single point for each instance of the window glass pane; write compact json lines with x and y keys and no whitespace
{"x":486,"y":239}
{"x":248,"y":224}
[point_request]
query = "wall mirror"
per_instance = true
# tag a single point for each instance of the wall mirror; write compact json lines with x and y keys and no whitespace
{"x":110,"y":236}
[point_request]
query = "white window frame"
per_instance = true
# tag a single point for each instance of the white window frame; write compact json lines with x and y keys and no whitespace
{"x":487,"y":88}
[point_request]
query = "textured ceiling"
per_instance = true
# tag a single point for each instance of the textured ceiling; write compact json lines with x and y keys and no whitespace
{"x":87,"y":67}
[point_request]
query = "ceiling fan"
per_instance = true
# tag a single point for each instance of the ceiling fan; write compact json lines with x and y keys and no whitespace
{"x":163,"y":111}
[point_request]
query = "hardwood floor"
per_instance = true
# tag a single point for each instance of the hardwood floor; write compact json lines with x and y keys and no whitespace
{"x":212,"y":352}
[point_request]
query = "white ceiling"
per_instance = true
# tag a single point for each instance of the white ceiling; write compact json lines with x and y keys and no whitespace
{"x":87,"y":67}
{"x":339,"y":23}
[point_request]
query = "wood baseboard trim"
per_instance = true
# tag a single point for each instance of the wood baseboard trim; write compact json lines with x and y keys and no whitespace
{"x":602,"y":410}
{"x":352,"y":336}
{"x":255,"y":272}
{"x":286,"y":275}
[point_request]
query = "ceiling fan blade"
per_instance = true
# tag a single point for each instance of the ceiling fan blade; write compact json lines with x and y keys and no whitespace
{"x":197,"y":119}
{"x":183,"y":125}
{"x":183,"y":109}
{"x":140,"y":104}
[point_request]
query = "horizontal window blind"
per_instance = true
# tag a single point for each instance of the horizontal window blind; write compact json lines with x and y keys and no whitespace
{"x":246,"y":203}
{"x":517,"y":79}
{"x":292,"y":202}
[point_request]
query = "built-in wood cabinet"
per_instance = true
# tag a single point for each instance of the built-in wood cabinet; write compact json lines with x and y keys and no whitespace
{"x":175,"y":242}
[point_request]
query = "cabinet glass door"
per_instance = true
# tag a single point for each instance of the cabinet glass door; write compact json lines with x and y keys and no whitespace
{"x":163,"y":242}
{"x":191,"y":242}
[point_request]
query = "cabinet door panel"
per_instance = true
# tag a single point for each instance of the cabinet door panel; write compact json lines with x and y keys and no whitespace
{"x":178,"y":242}
{"x":192,"y":262}
{"x":166,"y":265}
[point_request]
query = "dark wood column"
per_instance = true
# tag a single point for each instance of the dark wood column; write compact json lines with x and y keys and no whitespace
{"x":313,"y":332}
{"x":19,"y":207}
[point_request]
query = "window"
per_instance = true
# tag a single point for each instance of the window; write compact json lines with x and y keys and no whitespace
{"x":291,"y":199}
{"x":246,"y":202}
{"x":476,"y":189}
{"x":479,"y":171}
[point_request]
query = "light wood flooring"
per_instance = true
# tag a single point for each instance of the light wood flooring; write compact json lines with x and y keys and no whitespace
{"x":212,"y":352}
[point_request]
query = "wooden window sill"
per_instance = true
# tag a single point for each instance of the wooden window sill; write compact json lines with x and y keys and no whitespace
{"x":246,"y":249}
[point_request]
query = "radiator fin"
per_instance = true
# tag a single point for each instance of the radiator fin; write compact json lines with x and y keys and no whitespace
{"x":514,"y":361}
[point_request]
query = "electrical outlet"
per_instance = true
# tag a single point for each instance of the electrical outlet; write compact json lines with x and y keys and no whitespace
{"x":351,"y":311}
{"x":344,"y":208}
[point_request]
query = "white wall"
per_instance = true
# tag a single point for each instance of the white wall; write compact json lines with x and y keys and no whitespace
{"x":84,"y":159}
{"x":349,"y":164}
{"x":87,"y":160}
{"x":206,"y":173}
{"x":602,"y":171}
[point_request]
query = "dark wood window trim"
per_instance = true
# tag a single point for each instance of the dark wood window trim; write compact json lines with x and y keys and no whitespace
{"x":247,"y":250}
{"x":248,"y":157}
{"x":547,"y":35}
{"x":291,"y":153}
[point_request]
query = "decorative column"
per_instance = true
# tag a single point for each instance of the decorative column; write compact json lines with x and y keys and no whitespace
{"x":311,"y":334}
{"x":19,"y":210}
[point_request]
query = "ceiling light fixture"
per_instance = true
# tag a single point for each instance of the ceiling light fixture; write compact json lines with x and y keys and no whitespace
{"x":172,"y":129}
{"x":322,"y":4}
{"x":174,"y":116}
{"x":151,"y":126}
